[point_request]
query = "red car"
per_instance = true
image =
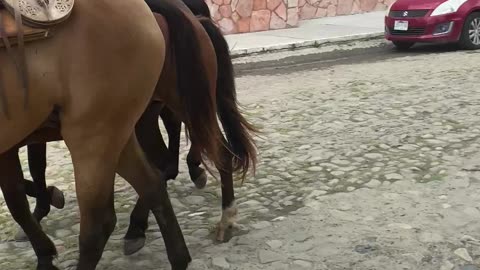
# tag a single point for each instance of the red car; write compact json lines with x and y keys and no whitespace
{"x":433,"y":21}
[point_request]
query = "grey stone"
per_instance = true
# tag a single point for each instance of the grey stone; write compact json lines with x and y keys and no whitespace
{"x":434,"y":142}
{"x":63,"y":233}
{"x":373,"y":183}
{"x":69,"y":263}
{"x":201,"y":233}
{"x":301,"y":236}
{"x":4,"y":246}
{"x":317,"y":193}
{"x":342,"y":206}
{"x":463,"y":253}
{"x":447,"y":266}
{"x":400,"y":226}
{"x":430,"y":237}
{"x":267,"y":256}
{"x":315,"y":169}
{"x":274,"y":244}
{"x":363,"y":249}
{"x":237,"y":258}
{"x":394,"y":176}
{"x":144,"y":264}
{"x":177,"y":204}
{"x":468,"y":267}
{"x":303,"y":264}
{"x":375,"y":156}
{"x":21,"y":244}
{"x":250,"y":203}
{"x":220,"y":262}
{"x":198,"y":200}
{"x":280,"y":266}
{"x":300,"y":247}
{"x":337,"y":173}
{"x":261,"y":225}
{"x":264,"y":181}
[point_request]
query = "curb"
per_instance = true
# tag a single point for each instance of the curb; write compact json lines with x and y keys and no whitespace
{"x":306,"y":44}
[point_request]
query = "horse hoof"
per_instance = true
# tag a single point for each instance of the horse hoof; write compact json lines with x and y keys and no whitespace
{"x":57,"y":198}
{"x":181,"y":265}
{"x":47,"y":267}
{"x":132,"y":246}
{"x":171,"y":173}
{"x":20,"y":236}
{"x":201,"y":181}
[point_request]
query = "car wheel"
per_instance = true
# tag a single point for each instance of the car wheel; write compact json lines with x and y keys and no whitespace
{"x":403,"y":46}
{"x":470,"y":38}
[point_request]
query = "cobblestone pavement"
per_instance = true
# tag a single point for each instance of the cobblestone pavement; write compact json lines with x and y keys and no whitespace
{"x":362,"y":166}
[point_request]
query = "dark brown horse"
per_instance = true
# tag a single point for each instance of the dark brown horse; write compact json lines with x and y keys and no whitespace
{"x":238,"y":153}
{"x":85,"y":76}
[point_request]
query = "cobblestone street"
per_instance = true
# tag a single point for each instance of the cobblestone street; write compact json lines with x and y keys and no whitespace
{"x":369,"y":165}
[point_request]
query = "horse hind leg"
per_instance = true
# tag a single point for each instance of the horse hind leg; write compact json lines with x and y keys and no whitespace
{"x":94,"y":160}
{"x":229,"y":207}
{"x":197,"y":174}
{"x":37,"y":161}
{"x":151,"y":186}
{"x":151,"y":141}
{"x":174,"y":127}
{"x":47,"y":195}
{"x":150,"y":137}
{"x":199,"y":177}
{"x":13,"y":188}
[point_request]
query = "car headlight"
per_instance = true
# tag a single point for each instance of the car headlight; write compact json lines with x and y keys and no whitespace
{"x":445,"y":8}
{"x":448,"y":7}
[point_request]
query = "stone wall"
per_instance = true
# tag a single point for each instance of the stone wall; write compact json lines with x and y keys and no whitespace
{"x":309,"y":9}
{"x":242,"y":16}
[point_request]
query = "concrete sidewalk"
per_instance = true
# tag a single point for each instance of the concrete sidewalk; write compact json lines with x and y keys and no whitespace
{"x":310,"y":33}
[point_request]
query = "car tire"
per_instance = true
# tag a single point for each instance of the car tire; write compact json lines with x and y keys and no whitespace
{"x":403,"y":46}
{"x":472,"y":23}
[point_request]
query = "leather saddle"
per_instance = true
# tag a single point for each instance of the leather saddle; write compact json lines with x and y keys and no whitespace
{"x":31,"y":18}
{"x":24,"y":21}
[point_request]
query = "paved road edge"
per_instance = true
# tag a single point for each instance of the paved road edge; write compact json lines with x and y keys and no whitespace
{"x":306,"y":44}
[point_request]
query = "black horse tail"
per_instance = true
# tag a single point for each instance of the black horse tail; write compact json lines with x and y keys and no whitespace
{"x":198,"y":7}
{"x":237,"y":129}
{"x":193,"y":83}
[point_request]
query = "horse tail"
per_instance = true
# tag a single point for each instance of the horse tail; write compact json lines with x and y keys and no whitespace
{"x":237,"y":129}
{"x":198,"y":7}
{"x":193,"y":83}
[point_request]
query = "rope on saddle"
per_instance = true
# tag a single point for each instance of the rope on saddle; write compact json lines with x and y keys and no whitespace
{"x":22,"y":65}
{"x":3,"y":98}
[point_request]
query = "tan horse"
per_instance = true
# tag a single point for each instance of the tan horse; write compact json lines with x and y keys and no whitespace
{"x":239,"y":148}
{"x":99,"y":71}
{"x":238,"y":155}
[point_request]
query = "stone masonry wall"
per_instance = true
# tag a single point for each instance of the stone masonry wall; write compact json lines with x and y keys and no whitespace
{"x":242,"y":16}
{"x":309,"y":9}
